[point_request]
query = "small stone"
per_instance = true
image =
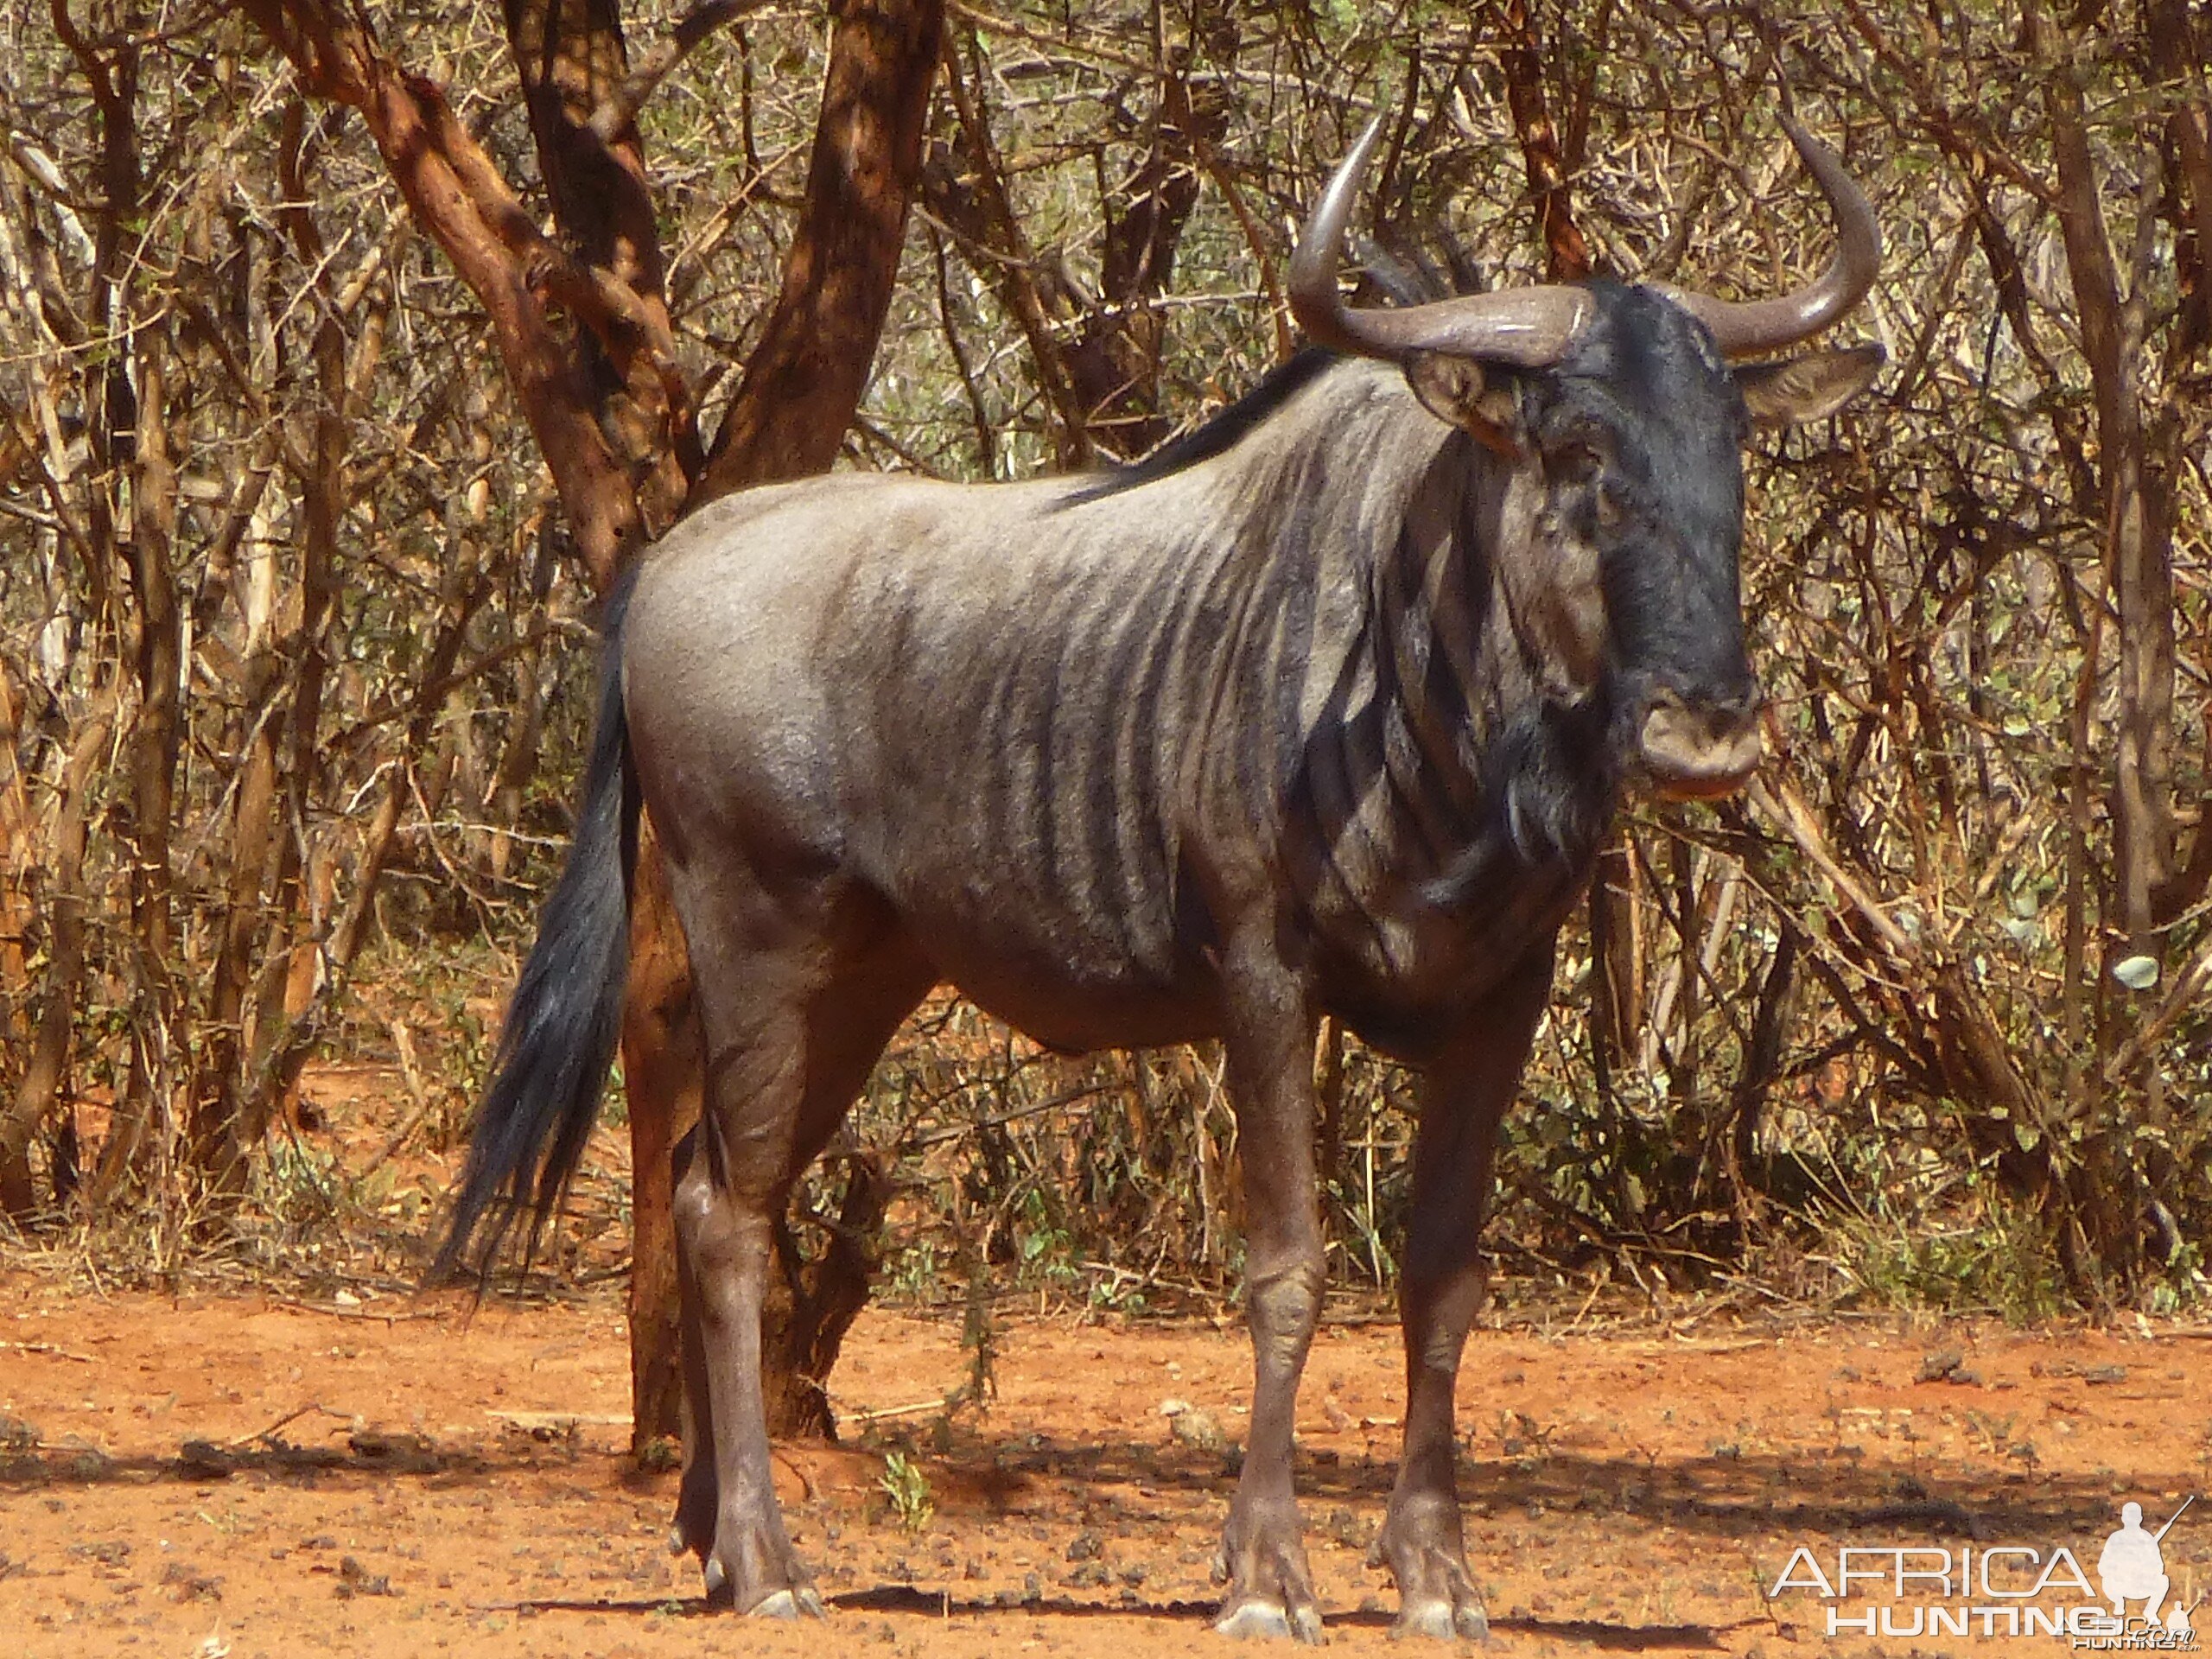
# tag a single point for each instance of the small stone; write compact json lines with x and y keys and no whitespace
{"x":354,"y":1579}
{"x":187,"y":1583}
{"x":1347,"y":1529}
{"x":1197,"y":1428}
{"x":1938,"y":1367}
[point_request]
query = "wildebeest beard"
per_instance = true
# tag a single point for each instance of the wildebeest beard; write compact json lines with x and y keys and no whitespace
{"x":1554,"y":773}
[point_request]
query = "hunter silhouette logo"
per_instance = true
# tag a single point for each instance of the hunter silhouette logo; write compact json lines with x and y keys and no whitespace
{"x":2132,"y":1569}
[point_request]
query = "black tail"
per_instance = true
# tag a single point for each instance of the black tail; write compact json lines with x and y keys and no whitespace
{"x":566,"y":1018}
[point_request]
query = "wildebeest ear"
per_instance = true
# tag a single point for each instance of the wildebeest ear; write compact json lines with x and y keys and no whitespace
{"x":1809,"y":387}
{"x":1455,"y":390}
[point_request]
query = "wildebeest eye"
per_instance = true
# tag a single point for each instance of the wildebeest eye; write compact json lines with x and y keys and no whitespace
{"x":1575,"y":462}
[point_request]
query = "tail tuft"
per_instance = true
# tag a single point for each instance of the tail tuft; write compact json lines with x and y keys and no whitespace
{"x":565,"y":1022}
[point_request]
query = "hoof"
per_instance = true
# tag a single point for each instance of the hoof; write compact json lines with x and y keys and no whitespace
{"x":789,"y":1604}
{"x":1270,"y":1621}
{"x":1439,"y":1621}
{"x":677,"y":1543}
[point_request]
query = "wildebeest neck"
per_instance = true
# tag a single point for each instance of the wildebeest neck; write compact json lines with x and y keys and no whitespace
{"x":1438,"y":764}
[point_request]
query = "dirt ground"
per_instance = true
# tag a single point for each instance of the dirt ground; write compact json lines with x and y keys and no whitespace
{"x":234,"y":1474}
{"x":249,"y":1476}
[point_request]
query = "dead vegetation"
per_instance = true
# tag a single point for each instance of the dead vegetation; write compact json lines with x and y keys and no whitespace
{"x":297,"y":547}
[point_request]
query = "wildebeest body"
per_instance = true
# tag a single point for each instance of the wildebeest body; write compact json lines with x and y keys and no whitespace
{"x":1059,"y":736}
{"x":1322,"y":711}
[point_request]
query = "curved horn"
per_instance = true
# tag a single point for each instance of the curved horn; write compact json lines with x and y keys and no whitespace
{"x":1744,"y":328}
{"x":1522,"y":327}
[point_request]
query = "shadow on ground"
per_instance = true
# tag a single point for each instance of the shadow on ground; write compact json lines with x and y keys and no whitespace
{"x":1722,"y":1496}
{"x":909,"y":1598}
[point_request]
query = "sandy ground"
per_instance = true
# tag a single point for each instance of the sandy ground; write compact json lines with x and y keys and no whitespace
{"x":436,"y":1483}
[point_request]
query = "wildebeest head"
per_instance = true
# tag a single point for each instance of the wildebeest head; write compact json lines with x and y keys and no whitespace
{"x":1620,"y":406}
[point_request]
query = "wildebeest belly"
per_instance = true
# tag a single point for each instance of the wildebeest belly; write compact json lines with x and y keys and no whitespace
{"x":1077,"y":930}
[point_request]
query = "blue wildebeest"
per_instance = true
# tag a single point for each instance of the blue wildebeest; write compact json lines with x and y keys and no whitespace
{"x":1323,"y":710}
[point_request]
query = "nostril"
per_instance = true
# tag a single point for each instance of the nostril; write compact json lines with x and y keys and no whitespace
{"x":1724,"y":722}
{"x":1717,"y":717}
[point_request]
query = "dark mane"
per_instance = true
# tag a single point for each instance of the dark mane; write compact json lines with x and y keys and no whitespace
{"x":1224,"y":431}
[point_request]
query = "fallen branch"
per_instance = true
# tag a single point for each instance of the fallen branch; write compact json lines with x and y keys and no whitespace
{"x":881,"y":1414}
{"x":342,"y":1310}
{"x":532,"y":1422}
{"x":47,"y":1348}
{"x":266,"y":1434}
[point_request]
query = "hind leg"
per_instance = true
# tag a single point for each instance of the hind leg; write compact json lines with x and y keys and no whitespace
{"x":694,"y":1529}
{"x":791,"y":1033}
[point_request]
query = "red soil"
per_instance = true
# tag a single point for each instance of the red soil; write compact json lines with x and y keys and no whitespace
{"x":1623,"y":1491}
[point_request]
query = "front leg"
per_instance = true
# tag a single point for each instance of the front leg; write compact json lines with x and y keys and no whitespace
{"x":1465,"y":1094}
{"x":1268,"y":1046}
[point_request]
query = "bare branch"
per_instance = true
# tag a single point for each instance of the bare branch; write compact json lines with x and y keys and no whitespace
{"x":619,"y":113}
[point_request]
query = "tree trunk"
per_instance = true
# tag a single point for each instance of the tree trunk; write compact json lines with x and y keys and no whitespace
{"x":41,"y":1084}
{"x":805,"y":378}
{"x":1115,"y":360}
{"x":663,"y":1081}
{"x":1520,"y":54}
{"x":789,"y":418}
{"x":572,"y":62}
{"x":2136,"y":485}
{"x":1103,"y":385}
{"x":801,"y":387}
{"x":582,"y":329}
{"x":2174,"y":44}
{"x":2138,"y":530}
